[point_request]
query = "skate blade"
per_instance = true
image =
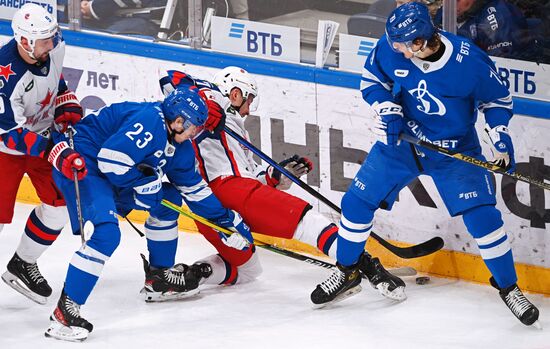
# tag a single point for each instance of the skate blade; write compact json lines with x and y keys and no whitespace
{"x":537,"y":325}
{"x":403,"y":271}
{"x":340,"y":297}
{"x":66,"y":333}
{"x":398,"y":294}
{"x":154,"y":297}
{"x":14,"y":282}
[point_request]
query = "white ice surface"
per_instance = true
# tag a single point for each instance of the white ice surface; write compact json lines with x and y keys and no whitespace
{"x":273,"y":312}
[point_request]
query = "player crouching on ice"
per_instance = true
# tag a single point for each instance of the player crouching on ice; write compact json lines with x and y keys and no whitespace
{"x":444,"y":79}
{"x":253,"y":191}
{"x":127,"y":148}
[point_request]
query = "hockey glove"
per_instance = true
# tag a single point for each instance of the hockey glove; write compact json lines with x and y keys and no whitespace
{"x":296,"y":165}
{"x":148,"y":190}
{"x":67,"y":111}
{"x":502,"y":147}
{"x":216,"y":115}
{"x":67,"y":161}
{"x":388,"y":122}
{"x":242,"y":237}
{"x":25,"y":141}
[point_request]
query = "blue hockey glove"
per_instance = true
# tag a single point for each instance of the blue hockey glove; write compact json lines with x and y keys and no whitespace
{"x":148,"y":190}
{"x":502,"y":147}
{"x":242,"y":237}
{"x":388,"y":122}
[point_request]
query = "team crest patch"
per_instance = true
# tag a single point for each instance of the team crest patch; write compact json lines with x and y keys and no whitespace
{"x":425,"y":66}
{"x":44,"y":70}
{"x":6,"y":72}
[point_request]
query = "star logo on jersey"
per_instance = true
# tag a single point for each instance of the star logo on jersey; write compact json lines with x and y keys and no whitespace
{"x":46,"y":101}
{"x":6,"y":72}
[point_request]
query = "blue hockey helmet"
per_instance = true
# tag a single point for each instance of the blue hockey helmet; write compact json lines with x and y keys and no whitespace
{"x":409,"y":22}
{"x":186,"y":103}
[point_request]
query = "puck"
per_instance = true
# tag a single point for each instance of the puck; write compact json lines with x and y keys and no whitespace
{"x":422,"y":280}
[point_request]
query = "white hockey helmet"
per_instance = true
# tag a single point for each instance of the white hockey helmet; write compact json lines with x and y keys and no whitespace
{"x":33,"y":22}
{"x":230,"y":77}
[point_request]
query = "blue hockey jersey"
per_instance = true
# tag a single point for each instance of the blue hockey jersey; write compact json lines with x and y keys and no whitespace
{"x":117,"y":138}
{"x":440,"y":99}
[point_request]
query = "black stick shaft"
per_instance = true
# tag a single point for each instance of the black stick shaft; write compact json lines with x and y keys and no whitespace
{"x":414,"y":251}
{"x":473,"y":161}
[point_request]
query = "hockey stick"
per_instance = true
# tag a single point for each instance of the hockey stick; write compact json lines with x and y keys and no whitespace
{"x":405,"y":271}
{"x":86,"y":229}
{"x":471,"y":160}
{"x":422,"y":249}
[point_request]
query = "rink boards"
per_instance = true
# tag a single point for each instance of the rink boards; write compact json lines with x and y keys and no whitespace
{"x":319,"y":113}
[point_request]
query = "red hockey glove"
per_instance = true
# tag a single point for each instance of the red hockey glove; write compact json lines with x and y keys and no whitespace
{"x":67,"y":111}
{"x":216,"y":115}
{"x":66,"y":161}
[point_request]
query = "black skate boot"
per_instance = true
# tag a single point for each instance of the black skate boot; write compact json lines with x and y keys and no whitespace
{"x":168,"y":284}
{"x":26,"y":279}
{"x":389,"y":285}
{"x":198,"y":271}
{"x":524,"y":310}
{"x":341,"y":284}
{"x":66,"y":323}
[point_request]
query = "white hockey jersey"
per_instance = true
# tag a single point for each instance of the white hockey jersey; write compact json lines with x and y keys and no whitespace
{"x":28,"y":91}
{"x":222,"y":155}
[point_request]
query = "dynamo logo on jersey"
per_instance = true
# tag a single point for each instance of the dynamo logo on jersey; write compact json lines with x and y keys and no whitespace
{"x":429,"y":104}
{"x":236,"y":30}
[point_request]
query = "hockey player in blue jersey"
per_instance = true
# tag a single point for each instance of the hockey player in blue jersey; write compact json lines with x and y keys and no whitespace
{"x":127,"y":147}
{"x":443,"y":80}
{"x":33,"y":98}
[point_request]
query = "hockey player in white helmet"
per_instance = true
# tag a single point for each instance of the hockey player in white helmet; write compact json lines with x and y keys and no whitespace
{"x":257,"y":193}
{"x":33,"y":98}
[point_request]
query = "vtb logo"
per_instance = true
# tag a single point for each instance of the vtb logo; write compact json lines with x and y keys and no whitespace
{"x":257,"y":42}
{"x":365,"y":47}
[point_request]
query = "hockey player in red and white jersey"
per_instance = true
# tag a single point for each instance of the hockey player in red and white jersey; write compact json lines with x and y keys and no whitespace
{"x":33,"y":97}
{"x":257,"y":193}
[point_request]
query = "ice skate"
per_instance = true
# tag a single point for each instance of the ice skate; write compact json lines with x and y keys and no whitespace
{"x":66,"y":323}
{"x":522,"y":308}
{"x":389,"y":285}
{"x":26,"y":279}
{"x":168,"y":284}
{"x":341,"y":284}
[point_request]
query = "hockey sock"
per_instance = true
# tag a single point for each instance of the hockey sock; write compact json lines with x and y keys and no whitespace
{"x":355,"y":226}
{"x":222,"y":272}
{"x":317,"y":230}
{"x":42,"y":229}
{"x":486,"y":226}
{"x":87,"y":263}
{"x":162,"y":242}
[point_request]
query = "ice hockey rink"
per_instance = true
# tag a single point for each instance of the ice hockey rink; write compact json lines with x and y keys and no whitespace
{"x":273,"y":312}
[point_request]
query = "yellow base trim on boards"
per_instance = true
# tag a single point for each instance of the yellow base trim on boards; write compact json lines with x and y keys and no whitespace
{"x":451,"y":264}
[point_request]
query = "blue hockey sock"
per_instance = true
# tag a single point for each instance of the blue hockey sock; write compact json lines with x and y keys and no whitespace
{"x":486,"y":226}
{"x":162,"y":242}
{"x":355,"y":226}
{"x":88,"y":262}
